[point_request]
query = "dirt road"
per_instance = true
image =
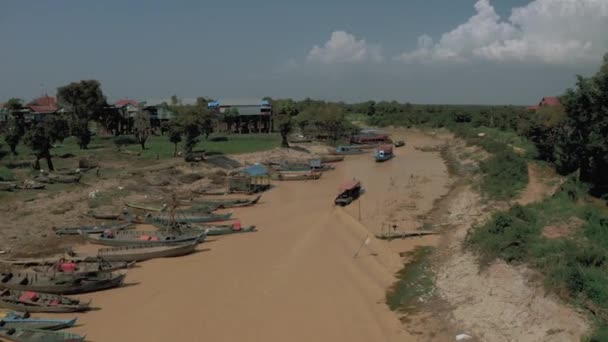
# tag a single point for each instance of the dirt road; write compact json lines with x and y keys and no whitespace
{"x":295,"y":279}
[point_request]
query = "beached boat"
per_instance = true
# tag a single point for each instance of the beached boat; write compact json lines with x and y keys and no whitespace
{"x":232,"y":203}
{"x":28,"y":301}
{"x":91,"y":266}
{"x":12,"y":319}
{"x":146,"y":207}
{"x":92,"y":229}
{"x":226,"y":229}
{"x":295,"y":176}
{"x":349,"y":191}
{"x":38,"y":335}
{"x":61,"y":283}
{"x":181,"y":217}
{"x":383,"y":153}
{"x":331,"y":158}
{"x":399,"y":143}
{"x":402,"y":235}
{"x":138,"y":237}
{"x":340,"y":150}
{"x":146,"y":252}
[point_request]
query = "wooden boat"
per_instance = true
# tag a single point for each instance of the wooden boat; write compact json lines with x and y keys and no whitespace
{"x":383,"y":153}
{"x":11,"y":319}
{"x":138,"y":237}
{"x":28,"y":301}
{"x":233,"y":203}
{"x":328,"y":158}
{"x":146,"y":252}
{"x":349,"y":191}
{"x":38,"y":335}
{"x":146,"y":207}
{"x":226,"y":229}
{"x":189,"y":218}
{"x":340,"y":150}
{"x":66,"y":266}
{"x":403,"y":235}
{"x":61,"y":283}
{"x":92,"y":229}
{"x":294,"y":176}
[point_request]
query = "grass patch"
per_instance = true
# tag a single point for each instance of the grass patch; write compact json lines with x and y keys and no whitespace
{"x":6,"y":174}
{"x":415,"y":281}
{"x":102,"y":198}
{"x":575,"y":266}
{"x":505,"y":175}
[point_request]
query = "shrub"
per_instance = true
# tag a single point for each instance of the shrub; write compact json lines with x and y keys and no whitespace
{"x":123,"y":140}
{"x":505,"y":175}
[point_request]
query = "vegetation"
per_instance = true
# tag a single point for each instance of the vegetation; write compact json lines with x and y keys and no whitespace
{"x":415,"y":281}
{"x":142,"y":128}
{"x":575,"y":262}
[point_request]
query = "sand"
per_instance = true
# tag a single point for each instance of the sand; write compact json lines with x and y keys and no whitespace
{"x":294,"y":280}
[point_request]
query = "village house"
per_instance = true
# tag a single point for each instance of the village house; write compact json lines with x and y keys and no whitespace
{"x":549,"y":101}
{"x":250,"y":115}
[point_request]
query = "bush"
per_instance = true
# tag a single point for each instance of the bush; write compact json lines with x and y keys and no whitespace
{"x":505,"y":175}
{"x":6,"y":174}
{"x":123,"y":140}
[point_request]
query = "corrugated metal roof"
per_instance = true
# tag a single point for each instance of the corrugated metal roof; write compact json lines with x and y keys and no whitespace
{"x":255,"y":170}
{"x":242,"y":102}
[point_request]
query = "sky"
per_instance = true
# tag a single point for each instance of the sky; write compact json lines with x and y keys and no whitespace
{"x":418,"y":51}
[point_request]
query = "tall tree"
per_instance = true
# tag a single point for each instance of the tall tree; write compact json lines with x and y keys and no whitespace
{"x":40,"y":138}
{"x":207,"y":123}
{"x":83,"y":100}
{"x":284,"y":123}
{"x":174,"y":100}
{"x":175,"y":136}
{"x":189,"y":120}
{"x":142,"y":127}
{"x":16,"y":124}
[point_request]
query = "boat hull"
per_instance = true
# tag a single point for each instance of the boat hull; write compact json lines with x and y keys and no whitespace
{"x":142,"y":253}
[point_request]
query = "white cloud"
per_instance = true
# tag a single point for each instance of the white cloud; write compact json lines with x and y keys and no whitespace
{"x":343,"y":47}
{"x":547,"y":31}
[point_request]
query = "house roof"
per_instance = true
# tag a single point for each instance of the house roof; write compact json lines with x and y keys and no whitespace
{"x":125,"y":102}
{"x":255,"y":170}
{"x":44,"y":104}
{"x":550,"y":101}
{"x":239,"y":102}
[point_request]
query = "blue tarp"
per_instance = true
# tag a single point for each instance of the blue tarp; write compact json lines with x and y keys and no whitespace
{"x":255,"y":170}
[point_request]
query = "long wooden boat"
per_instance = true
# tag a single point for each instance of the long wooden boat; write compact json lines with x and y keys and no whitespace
{"x":146,"y":207}
{"x":61,"y":283}
{"x":90,"y":266}
{"x":28,"y":301}
{"x":144,"y":252}
{"x":226,"y":229}
{"x":38,"y":335}
{"x":342,"y":151}
{"x":331,"y":158}
{"x":138,"y":237}
{"x":12,"y":319}
{"x":189,"y":218}
{"x":92,"y":229}
{"x":233,"y":203}
{"x":403,"y":235}
{"x":294,"y":176}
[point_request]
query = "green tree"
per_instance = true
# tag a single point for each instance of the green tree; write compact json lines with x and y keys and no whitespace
{"x":84,"y":100}
{"x":230,"y":117}
{"x":59,"y":128}
{"x":174,"y":100}
{"x":190,"y":121}
{"x":175,"y":135}
{"x":14,"y":133}
{"x":40,"y":139}
{"x":371,"y":108}
{"x":284,"y":123}
{"x":80,"y":129}
{"x":142,"y":127}
{"x":207,"y":123}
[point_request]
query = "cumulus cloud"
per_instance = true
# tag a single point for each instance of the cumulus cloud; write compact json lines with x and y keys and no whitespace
{"x":547,"y":31}
{"x":343,"y":47}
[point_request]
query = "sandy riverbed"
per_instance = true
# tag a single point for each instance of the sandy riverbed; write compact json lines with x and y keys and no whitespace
{"x":295,"y":279}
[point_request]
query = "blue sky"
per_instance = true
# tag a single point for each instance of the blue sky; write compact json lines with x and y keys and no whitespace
{"x":492,"y":51}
